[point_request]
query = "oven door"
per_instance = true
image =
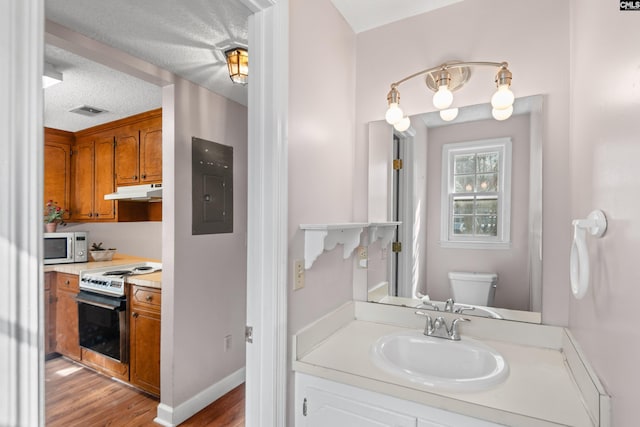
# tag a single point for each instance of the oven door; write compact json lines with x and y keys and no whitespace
{"x":102,"y":322}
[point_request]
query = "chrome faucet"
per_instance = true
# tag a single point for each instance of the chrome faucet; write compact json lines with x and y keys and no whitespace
{"x":438,"y":327}
{"x":450,"y":306}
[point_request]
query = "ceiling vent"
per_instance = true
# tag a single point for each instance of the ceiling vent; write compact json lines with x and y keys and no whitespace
{"x":87,"y":110}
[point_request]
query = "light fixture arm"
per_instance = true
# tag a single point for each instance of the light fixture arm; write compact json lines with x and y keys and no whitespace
{"x":450,"y":65}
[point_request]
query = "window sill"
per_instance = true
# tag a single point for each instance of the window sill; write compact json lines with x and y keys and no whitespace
{"x":475,"y":245}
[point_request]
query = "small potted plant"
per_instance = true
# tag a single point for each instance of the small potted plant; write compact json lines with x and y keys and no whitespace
{"x":53,"y":215}
{"x":98,"y":253}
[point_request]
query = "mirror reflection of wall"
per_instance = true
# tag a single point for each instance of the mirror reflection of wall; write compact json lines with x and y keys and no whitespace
{"x":425,"y":261}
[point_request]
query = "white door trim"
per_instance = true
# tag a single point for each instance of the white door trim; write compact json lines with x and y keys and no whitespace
{"x":21,"y":182}
{"x":266,"y":361}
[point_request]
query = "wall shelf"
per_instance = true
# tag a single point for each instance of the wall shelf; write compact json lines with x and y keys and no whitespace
{"x":325,"y":237}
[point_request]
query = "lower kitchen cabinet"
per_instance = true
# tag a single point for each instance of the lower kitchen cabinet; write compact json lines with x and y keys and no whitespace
{"x":49,"y":312}
{"x":66,"y":309}
{"x":144,"y":361}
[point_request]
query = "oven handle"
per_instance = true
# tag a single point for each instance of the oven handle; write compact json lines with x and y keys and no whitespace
{"x":85,"y":298}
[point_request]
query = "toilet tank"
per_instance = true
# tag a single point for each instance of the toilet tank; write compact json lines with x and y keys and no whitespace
{"x":473,"y":288}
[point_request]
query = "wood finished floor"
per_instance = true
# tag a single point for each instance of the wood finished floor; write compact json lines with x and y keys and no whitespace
{"x":77,"y":396}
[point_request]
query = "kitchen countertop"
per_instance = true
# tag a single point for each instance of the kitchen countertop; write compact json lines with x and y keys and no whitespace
{"x":540,"y":389}
{"x":151,"y":280}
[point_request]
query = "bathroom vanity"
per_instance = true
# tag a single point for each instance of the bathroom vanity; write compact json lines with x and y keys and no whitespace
{"x":337,"y":382}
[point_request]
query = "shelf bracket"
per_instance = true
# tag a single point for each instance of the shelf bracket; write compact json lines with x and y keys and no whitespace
{"x":325,"y":237}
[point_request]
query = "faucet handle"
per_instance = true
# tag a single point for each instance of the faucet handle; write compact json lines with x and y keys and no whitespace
{"x":449,"y":305}
{"x":428,"y":327}
{"x":453,"y":333}
{"x":462,"y":307}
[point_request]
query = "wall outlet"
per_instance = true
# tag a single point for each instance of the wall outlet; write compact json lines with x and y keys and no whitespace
{"x":298,"y":274}
{"x":227,"y":343}
{"x":363,"y":257}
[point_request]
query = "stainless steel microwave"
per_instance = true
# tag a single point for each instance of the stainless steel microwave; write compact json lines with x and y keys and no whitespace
{"x":61,"y":248}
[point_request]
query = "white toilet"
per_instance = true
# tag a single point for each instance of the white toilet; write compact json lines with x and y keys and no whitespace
{"x":473,"y":288}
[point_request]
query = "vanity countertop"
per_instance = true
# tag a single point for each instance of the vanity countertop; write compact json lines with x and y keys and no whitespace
{"x":540,"y":389}
{"x":152,"y":280}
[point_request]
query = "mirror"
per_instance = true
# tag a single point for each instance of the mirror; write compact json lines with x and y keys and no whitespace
{"x":418,"y":275}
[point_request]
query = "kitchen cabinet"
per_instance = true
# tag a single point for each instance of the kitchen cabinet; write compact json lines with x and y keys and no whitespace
{"x":139,"y":153}
{"x":144,"y":360}
{"x":92,"y":170}
{"x":49,"y":312}
{"x":67,"y":338}
{"x":57,"y":168}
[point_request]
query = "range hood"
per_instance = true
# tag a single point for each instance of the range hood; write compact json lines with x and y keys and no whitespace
{"x":140,"y":193}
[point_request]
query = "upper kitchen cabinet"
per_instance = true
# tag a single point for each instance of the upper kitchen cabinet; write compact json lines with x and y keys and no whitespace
{"x":139,"y":150}
{"x":57,"y":168}
{"x":93,"y":171}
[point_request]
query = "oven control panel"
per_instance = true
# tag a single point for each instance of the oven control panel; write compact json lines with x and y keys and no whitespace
{"x":105,"y":285}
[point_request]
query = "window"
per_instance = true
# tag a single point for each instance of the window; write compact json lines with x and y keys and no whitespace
{"x":476,"y":194}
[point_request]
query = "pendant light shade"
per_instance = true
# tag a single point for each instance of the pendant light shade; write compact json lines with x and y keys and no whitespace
{"x":238,"y":64}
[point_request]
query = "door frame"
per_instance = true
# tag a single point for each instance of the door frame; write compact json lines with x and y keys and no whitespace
{"x":267,"y":239}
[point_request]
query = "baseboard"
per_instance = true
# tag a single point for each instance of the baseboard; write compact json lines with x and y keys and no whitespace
{"x":171,"y":417}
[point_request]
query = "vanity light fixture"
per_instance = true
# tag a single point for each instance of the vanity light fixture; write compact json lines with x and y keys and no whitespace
{"x":238,"y":64}
{"x":443,"y":80}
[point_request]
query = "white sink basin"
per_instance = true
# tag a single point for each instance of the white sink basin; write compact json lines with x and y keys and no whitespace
{"x":465,"y":365}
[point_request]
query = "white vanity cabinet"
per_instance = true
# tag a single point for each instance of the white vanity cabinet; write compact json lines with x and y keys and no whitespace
{"x":321,"y":403}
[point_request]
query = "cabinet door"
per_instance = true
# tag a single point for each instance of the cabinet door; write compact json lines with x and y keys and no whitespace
{"x":144,"y":360}
{"x":104,"y":179}
{"x":82,"y":188}
{"x":57,"y":174}
{"x":67,"y":337}
{"x":151,"y":154}
{"x":127,"y":157}
{"x":327,"y":409}
{"x":49,"y":312}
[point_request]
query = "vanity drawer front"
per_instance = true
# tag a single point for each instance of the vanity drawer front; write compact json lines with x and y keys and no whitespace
{"x":146,"y":297}
{"x":68,"y":282}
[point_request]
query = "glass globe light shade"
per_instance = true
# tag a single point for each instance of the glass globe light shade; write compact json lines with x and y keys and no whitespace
{"x":448,"y":115}
{"x":502,"y":114}
{"x":403,"y":124}
{"x":443,"y":98}
{"x":503,"y":98}
{"x":394,"y":114}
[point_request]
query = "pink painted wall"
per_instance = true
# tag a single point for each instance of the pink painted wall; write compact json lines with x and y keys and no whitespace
{"x":205,"y":292}
{"x":511,"y":265}
{"x":604,"y":174}
{"x":321,"y":150}
{"x":534,"y":38}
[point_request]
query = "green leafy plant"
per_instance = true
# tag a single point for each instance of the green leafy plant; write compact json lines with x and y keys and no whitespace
{"x":53,"y":213}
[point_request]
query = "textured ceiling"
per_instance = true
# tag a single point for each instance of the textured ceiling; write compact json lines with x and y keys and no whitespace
{"x":186,"y":37}
{"x":88,"y":83}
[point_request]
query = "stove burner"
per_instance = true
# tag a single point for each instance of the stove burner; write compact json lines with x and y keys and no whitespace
{"x":116,"y":272}
{"x":143,"y":268}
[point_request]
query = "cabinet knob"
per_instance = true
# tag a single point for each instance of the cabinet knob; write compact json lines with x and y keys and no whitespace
{"x":149,"y":297}
{"x":135,"y":176}
{"x":67,"y":282}
{"x":97,"y":215}
{"x":144,"y":176}
{"x":134,"y":314}
{"x":90,"y":214}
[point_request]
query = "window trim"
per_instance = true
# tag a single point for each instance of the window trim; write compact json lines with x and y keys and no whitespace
{"x":503,"y":238}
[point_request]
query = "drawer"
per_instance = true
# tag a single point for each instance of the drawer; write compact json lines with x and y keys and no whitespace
{"x":146,"y":297}
{"x":68,"y":282}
